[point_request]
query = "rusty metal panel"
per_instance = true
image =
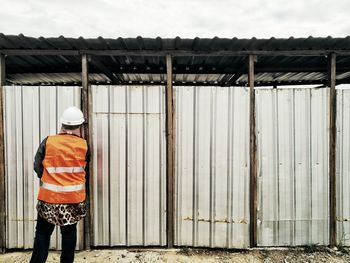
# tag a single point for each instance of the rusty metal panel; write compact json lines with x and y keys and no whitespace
{"x":293,"y":148}
{"x":31,"y":113}
{"x":129,"y":165}
{"x":212,"y":167}
{"x":343,"y":165}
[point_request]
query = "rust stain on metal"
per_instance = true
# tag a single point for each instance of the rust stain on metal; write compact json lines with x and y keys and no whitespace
{"x":343,"y":219}
{"x":227,"y":221}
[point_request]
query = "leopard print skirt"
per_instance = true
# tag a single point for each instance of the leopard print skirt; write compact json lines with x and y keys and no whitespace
{"x":61,"y":214}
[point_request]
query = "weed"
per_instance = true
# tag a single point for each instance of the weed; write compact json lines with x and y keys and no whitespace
{"x":186,"y":251}
{"x":311,"y":248}
{"x":341,"y":245}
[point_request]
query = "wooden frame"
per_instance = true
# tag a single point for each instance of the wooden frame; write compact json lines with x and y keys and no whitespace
{"x":2,"y":160}
{"x":170,"y":150}
{"x":332,"y":150}
{"x":86,"y":106}
{"x":253,"y":157}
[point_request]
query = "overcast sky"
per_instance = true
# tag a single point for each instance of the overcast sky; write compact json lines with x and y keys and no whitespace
{"x":171,"y":18}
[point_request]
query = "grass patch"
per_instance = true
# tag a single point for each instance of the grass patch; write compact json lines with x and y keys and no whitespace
{"x":312,"y":248}
{"x":186,"y":251}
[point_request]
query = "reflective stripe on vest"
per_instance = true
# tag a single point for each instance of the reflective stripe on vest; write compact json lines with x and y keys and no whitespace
{"x":52,"y":170}
{"x":57,"y":188}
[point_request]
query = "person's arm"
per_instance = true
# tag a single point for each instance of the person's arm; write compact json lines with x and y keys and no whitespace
{"x":38,"y":159}
{"x":87,"y":171}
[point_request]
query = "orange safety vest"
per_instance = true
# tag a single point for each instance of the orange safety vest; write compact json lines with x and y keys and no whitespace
{"x":63,"y":179}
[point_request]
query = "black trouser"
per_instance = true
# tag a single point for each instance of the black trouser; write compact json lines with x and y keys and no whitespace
{"x":42,"y":241}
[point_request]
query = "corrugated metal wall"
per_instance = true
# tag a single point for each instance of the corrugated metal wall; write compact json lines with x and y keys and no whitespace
{"x":343,"y":165}
{"x":212,"y":164}
{"x":129,"y":165}
{"x":31,"y":113}
{"x":292,"y":166}
{"x":212,"y":167}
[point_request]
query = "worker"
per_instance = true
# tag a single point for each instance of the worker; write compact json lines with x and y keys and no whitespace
{"x":61,"y":163}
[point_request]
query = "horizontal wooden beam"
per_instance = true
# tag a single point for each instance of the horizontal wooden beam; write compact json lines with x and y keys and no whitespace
{"x":118,"y":69}
{"x":161,"y":53}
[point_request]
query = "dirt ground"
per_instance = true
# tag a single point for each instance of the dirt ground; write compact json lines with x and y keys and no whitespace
{"x":309,"y":254}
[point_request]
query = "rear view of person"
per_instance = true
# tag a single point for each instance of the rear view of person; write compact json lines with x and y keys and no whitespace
{"x":61,"y":163}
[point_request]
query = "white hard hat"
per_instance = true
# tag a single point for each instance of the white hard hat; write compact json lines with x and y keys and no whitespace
{"x":72,"y":116}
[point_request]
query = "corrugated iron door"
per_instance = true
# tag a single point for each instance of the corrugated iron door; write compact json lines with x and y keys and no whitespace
{"x":293,"y":189}
{"x":31,"y":113}
{"x":343,"y":165}
{"x":129,"y":199}
{"x":212,"y":167}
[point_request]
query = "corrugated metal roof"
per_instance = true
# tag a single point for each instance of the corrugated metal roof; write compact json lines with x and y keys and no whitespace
{"x":177,"y":43}
{"x":218,"y":69}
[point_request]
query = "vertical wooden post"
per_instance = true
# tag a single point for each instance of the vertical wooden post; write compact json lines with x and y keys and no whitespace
{"x":252,"y":149}
{"x":170,"y":168}
{"x":86,"y":101}
{"x":332,"y":150}
{"x":2,"y":159}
